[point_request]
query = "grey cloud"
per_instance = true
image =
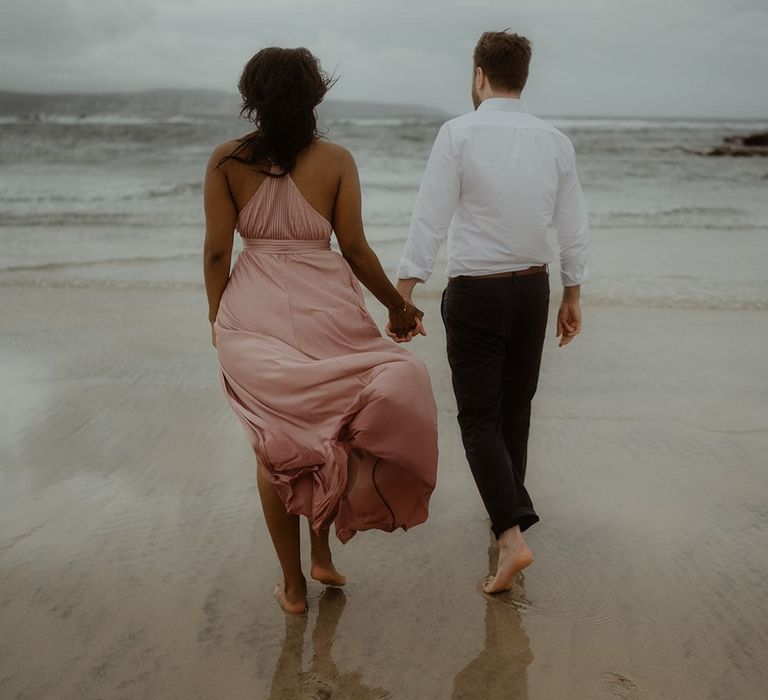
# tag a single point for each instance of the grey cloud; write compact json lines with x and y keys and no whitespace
{"x":651,"y":57}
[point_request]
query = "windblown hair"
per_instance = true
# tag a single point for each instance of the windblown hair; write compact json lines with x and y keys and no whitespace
{"x":280,"y":89}
{"x":504,"y":58}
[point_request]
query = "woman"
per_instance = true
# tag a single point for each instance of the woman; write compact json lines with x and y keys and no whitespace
{"x":342,"y":420}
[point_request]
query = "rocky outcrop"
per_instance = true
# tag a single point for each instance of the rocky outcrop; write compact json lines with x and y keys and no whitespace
{"x":742,"y":146}
{"x":756,"y":139}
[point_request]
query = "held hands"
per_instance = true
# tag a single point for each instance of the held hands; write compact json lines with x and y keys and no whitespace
{"x":403,"y":325}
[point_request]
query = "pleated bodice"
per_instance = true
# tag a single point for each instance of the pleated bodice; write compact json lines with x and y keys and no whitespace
{"x":278,"y":210}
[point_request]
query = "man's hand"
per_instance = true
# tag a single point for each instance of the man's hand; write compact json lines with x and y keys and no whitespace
{"x":419,"y":329}
{"x":403,"y":325}
{"x":569,"y":315}
{"x":405,"y":287}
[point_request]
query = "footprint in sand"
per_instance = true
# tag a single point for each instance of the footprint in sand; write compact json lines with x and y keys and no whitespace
{"x":617,"y":686}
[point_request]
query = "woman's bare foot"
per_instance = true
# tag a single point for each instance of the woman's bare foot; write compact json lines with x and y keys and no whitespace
{"x":292,"y":600}
{"x":514,"y":556}
{"x":322,"y":569}
{"x":326,"y":573}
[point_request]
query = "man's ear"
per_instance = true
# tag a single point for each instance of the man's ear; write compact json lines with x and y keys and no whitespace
{"x":479,"y":78}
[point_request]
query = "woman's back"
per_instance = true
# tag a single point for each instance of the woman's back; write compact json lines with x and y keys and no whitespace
{"x":299,"y":204}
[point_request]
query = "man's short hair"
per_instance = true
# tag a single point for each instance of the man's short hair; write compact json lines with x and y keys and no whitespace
{"x":504,"y":58}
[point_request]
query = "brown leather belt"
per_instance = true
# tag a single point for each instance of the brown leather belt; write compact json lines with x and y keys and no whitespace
{"x":537,"y":269}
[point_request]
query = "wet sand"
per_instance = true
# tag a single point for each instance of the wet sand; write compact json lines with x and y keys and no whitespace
{"x":134,"y":561}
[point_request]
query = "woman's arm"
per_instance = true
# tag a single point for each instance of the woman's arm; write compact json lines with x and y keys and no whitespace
{"x":220,"y":218}
{"x":348,"y":225}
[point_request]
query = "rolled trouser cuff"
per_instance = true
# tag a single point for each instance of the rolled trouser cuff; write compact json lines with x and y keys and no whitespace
{"x":523,"y":517}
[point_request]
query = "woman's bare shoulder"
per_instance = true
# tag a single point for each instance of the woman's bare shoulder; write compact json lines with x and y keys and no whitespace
{"x":334,"y":152}
{"x":222,"y":151}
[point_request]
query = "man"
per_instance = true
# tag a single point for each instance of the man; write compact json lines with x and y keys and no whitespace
{"x":495,"y":179}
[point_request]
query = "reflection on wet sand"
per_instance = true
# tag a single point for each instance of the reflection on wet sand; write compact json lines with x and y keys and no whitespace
{"x":501,"y":669}
{"x":323,"y":679}
{"x":135,"y":563}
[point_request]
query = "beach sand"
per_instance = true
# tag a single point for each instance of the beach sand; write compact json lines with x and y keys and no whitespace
{"x":135,"y":563}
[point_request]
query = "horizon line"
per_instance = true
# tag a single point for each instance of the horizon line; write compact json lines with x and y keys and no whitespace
{"x":658,"y":117}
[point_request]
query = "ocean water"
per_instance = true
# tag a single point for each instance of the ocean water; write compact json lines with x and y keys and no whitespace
{"x":116,"y":200}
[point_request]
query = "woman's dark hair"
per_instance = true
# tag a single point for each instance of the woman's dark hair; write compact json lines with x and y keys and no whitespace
{"x":280,"y":89}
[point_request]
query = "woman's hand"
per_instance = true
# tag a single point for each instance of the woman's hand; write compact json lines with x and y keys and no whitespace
{"x":214,"y":340}
{"x":405,"y":323}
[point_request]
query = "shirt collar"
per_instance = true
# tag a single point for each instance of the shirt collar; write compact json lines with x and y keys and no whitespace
{"x":509,"y":104}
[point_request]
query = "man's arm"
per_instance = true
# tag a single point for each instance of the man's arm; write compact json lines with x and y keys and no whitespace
{"x":570,"y":220}
{"x":432,"y":213}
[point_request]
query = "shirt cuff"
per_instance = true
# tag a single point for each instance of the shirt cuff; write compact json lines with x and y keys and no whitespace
{"x":407,"y":269}
{"x":572,"y":279}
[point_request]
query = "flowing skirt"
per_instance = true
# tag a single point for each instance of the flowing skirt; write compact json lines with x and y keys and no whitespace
{"x":342,"y":419}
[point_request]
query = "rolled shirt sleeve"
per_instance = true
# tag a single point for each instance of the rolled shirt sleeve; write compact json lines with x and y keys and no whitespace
{"x":570,"y":220}
{"x":433,"y":211}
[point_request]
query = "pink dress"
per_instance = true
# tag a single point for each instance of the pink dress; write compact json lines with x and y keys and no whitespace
{"x":342,"y":419}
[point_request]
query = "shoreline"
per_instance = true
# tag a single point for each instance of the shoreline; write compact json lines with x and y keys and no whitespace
{"x":135,"y":560}
{"x":636,"y":267}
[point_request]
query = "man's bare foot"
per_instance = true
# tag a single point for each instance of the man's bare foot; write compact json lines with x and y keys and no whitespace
{"x":325,"y":572}
{"x":292,"y":601}
{"x":514,"y":556}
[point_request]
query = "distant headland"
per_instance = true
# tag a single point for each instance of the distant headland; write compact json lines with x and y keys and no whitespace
{"x":162,"y":103}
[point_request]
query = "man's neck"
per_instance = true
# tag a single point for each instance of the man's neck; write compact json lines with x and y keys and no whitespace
{"x":506,"y":95}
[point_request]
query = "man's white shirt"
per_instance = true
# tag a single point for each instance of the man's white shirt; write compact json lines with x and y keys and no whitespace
{"x":496,"y":179}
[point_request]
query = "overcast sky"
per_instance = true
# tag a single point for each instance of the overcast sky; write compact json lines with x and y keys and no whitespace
{"x":703,"y":58}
